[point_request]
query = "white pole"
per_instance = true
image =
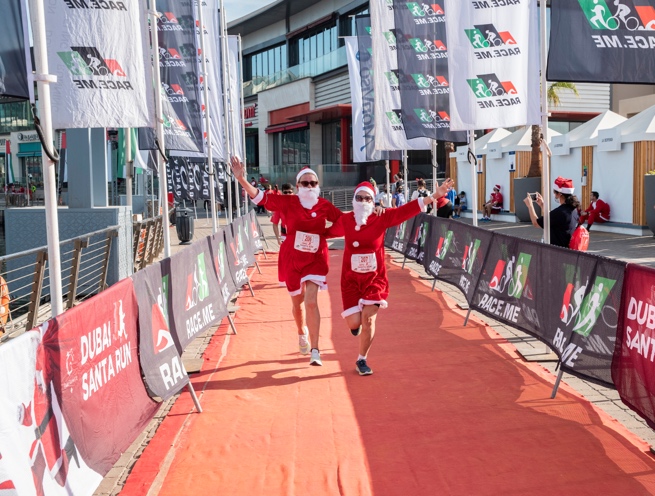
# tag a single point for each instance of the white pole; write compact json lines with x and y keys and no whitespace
{"x":545,"y":163}
{"x":405,"y":179}
{"x":163,"y":183}
{"x":387,"y":196}
{"x":434,"y":171}
{"x":210,"y":159}
{"x":44,"y":79}
{"x":243,"y":121}
{"x":226,"y":106}
{"x":474,"y":176}
{"x":128,"y":167}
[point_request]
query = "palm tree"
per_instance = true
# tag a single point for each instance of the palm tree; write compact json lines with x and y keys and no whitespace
{"x":553,"y":101}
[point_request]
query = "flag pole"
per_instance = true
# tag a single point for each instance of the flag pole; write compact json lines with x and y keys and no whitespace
{"x":387,"y":196}
{"x":128,"y":166}
{"x":545,"y":169}
{"x":208,"y":128}
{"x":226,"y":119}
{"x":405,"y":178}
{"x":44,"y":79}
{"x":243,"y":121}
{"x":473,"y":160}
{"x":161,"y":161}
{"x":434,"y":171}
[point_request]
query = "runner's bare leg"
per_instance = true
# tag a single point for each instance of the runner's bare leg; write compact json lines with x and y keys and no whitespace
{"x":369,"y":314}
{"x":312,"y":313}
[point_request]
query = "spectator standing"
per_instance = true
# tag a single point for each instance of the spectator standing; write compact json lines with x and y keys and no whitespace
{"x":398,"y":199}
{"x":383,"y":199}
{"x":422,"y":192}
{"x":598,"y":211}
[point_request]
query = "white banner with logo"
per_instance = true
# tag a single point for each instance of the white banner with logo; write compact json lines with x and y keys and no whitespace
{"x":236,"y":112}
{"x":493,"y":64}
{"x":359,"y":144}
{"x":101,"y":58}
{"x":389,"y":130}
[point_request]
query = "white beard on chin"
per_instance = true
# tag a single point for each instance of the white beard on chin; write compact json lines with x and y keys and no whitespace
{"x":308,"y":196}
{"x":362,"y":210}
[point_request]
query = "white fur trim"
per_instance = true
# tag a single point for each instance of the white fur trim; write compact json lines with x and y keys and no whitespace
{"x":382,"y":303}
{"x":424,"y":207}
{"x":320,"y":281}
{"x":303,"y":172}
{"x":257,"y":199}
{"x":350,"y":311}
{"x":296,"y":293}
{"x":566,"y":191}
{"x":283,"y":284}
{"x":367,"y":189}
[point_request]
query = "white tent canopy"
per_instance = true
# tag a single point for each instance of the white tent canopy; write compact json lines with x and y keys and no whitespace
{"x":586,"y":134}
{"x":521,"y":140}
{"x":641,"y":127}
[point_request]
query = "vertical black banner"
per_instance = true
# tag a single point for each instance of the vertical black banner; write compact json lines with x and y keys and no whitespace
{"x":415,"y":247}
{"x":13,"y":59}
{"x":219,"y":251}
{"x":423,"y":70}
{"x":160,"y":360}
{"x":188,"y":179}
{"x":235,"y":256}
{"x":397,"y":237}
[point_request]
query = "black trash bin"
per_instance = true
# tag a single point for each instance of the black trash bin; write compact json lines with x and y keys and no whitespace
{"x":184,"y":224}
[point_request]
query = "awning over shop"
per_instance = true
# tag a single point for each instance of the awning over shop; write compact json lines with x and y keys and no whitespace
{"x":29,"y":149}
{"x":28,"y":154}
{"x":324,"y":114}
{"x":278,"y":128}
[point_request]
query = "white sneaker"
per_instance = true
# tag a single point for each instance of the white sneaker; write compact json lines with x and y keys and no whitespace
{"x":316,"y":358}
{"x":303,"y":343}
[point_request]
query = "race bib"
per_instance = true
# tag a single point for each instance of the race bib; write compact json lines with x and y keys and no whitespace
{"x":306,"y":242}
{"x":364,"y":263}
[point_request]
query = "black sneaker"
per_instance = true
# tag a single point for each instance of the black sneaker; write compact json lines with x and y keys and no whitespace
{"x":362,"y":368}
{"x":356,"y":332}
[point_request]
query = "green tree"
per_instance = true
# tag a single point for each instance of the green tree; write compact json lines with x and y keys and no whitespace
{"x":553,"y":101}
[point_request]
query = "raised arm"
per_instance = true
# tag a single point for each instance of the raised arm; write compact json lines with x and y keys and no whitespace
{"x":239,"y":171}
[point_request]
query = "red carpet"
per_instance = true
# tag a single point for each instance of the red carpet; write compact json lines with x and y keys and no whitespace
{"x":449,"y":411}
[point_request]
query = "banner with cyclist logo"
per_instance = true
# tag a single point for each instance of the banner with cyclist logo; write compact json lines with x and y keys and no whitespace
{"x":633,"y":367}
{"x":199,"y":305}
{"x":493,"y":64}
{"x":389,"y":129}
{"x":15,"y":61}
{"x":236,"y":259}
{"x":455,"y":253}
{"x":415,"y":247}
{"x":609,"y":41}
{"x":101,"y":59}
{"x":255,"y":232}
{"x":219,"y":250}
{"x":422,"y":75}
{"x":161,"y":362}
{"x":398,"y":237}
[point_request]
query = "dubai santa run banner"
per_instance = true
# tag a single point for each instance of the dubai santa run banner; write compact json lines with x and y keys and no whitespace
{"x":493,"y":63}
{"x":188,"y":179}
{"x":219,"y":250}
{"x":100,"y":56}
{"x":455,"y":253}
{"x":633,"y":367}
{"x":602,"y":41}
{"x":397,"y":238}
{"x":194,"y":293}
{"x":389,"y":130}
{"x":15,"y":61}
{"x":422,"y":76}
{"x":161,"y":362}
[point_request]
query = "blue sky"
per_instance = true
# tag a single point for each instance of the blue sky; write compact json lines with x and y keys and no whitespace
{"x":238,"y":8}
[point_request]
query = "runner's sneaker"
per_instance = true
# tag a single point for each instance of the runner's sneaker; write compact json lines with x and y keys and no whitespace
{"x":303,"y":343}
{"x":356,"y":332}
{"x":362,"y":368}
{"x":316,"y":358}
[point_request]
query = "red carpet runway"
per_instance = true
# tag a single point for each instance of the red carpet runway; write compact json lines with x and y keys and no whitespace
{"x":448,"y":411}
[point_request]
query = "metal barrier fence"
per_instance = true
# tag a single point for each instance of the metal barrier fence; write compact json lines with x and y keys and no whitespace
{"x":147,"y":241}
{"x":26,"y":282}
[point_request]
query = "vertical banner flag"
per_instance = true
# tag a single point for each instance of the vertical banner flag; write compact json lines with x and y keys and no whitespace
{"x":602,"y":41}
{"x":99,"y":56}
{"x":422,"y":76}
{"x":389,"y":130}
{"x":180,"y":77}
{"x":15,"y":67}
{"x":161,"y":362}
{"x":493,"y":64}
{"x":359,"y":131}
{"x":236,"y":112}
{"x":633,"y":367}
{"x":213,"y":77}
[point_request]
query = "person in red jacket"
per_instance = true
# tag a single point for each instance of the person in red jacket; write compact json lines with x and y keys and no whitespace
{"x":598,"y":211}
{"x":364,"y":282}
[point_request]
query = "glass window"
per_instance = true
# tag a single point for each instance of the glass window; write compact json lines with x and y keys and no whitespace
{"x":15,"y":116}
{"x":332,"y":143}
{"x":265,"y":63}
{"x":291,"y":147}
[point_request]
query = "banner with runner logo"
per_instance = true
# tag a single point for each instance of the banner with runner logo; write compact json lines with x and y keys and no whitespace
{"x":15,"y":61}
{"x":602,"y":41}
{"x":199,"y":305}
{"x":237,"y":261}
{"x":398,"y":237}
{"x":161,"y":362}
{"x":255,"y":232}
{"x":90,"y":383}
{"x":415,"y":247}
{"x":633,"y":367}
{"x":219,"y":251}
{"x":188,"y":179}
{"x":422,"y":74}
{"x":493,"y":64}
{"x":101,"y":59}
{"x":455,"y":253}
{"x":389,"y":129}
{"x":245,"y":245}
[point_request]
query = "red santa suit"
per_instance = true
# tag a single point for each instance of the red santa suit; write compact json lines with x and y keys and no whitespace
{"x":364,"y":273}
{"x":598,"y":211}
{"x":304,"y":254}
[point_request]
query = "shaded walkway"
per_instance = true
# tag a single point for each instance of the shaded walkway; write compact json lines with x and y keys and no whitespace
{"x":449,"y":410}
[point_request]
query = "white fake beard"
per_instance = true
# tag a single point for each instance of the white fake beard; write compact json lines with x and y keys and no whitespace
{"x":362,"y":210}
{"x":308,"y":196}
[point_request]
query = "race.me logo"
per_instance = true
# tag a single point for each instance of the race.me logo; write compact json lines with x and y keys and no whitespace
{"x":431,"y":119}
{"x":425,"y":13}
{"x":495,"y":93}
{"x":427,"y":49}
{"x":491,"y":43}
{"x":395,"y":119}
{"x":431,"y":85}
{"x":93,"y":71}
{"x":626,"y":15}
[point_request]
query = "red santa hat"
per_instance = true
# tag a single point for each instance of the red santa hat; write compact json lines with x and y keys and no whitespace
{"x":303,"y":171}
{"x":497,"y":186}
{"x":564,"y":185}
{"x":366,"y":187}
